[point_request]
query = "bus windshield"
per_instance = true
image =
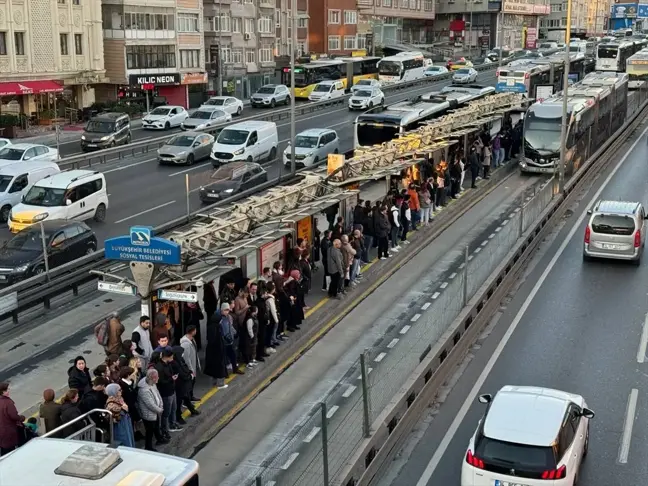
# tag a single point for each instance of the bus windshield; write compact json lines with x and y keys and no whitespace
{"x":390,"y":68}
{"x":542,"y":134}
{"x":375,"y":134}
{"x":608,"y":52}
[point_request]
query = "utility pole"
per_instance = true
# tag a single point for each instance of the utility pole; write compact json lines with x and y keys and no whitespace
{"x":563,"y":128}
{"x":220,"y":51}
{"x":501,"y":38}
{"x":470,"y":31}
{"x":293,"y":42}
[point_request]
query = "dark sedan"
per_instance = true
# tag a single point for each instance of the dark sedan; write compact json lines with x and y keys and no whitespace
{"x":231,"y":179}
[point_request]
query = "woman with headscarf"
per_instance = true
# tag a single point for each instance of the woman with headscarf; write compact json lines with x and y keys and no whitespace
{"x":215,"y":351}
{"x":122,"y":424}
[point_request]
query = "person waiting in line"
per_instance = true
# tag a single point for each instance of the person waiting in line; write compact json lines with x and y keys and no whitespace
{"x":336,"y":268}
{"x":50,"y":411}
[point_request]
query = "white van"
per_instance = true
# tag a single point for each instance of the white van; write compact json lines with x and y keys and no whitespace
{"x":327,"y":90}
{"x":15,"y":179}
{"x":72,"y":195}
{"x":252,"y":141}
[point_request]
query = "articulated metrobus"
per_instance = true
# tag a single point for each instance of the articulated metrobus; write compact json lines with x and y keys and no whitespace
{"x":307,"y":75}
{"x":404,"y":66}
{"x":613,"y":56}
{"x":383,"y":124}
{"x":525,"y":77}
{"x":637,"y":66}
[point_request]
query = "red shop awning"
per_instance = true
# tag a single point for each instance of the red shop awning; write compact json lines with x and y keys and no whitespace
{"x":29,"y":87}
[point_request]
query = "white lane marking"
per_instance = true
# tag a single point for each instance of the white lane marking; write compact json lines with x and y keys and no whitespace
{"x":484,"y":243}
{"x":478,"y":249}
{"x":290,"y":460}
{"x":271,"y":483}
{"x":491,"y":236}
{"x":124,"y":167}
{"x":405,"y":329}
{"x":472,"y":396}
{"x":426,"y":305}
{"x":470,"y":257}
{"x":462,"y":265}
{"x":393,"y":343}
{"x":505,"y":222}
{"x":347,"y":393}
{"x":194,"y":167}
{"x":443,"y":285}
{"x":452,"y":275}
{"x":435,"y":295}
{"x":311,"y":435}
{"x":415,"y":317}
{"x":332,"y":411}
{"x":380,"y":357}
{"x":369,"y":370}
{"x":641,"y":354}
{"x":144,"y":212}
{"x":498,"y":229}
{"x":628,"y":423}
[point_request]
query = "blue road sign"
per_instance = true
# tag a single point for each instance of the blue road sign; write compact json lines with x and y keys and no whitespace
{"x":141,"y":246}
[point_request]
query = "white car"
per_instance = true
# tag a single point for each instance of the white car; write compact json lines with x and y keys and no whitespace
{"x":432,"y":71}
{"x":22,"y":152}
{"x":464,"y":75}
{"x":165,"y":117}
{"x":228,"y":104}
{"x":4,"y":142}
{"x":313,"y":146}
{"x":366,"y":98}
{"x":205,"y":117}
{"x":364,"y":84}
{"x":327,"y":90}
{"x":529,"y":436}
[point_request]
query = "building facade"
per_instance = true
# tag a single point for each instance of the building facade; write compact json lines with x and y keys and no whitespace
{"x":154,"y":52}
{"x":624,"y":15}
{"x":51,"y":57}
{"x":597,"y":15}
{"x":554,"y":25}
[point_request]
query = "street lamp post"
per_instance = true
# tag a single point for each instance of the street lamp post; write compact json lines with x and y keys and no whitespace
{"x":293,"y":44}
{"x":563,"y":127}
{"x":470,"y":30}
{"x":501,"y":40}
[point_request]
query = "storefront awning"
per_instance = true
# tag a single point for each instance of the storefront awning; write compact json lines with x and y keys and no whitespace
{"x":29,"y":87}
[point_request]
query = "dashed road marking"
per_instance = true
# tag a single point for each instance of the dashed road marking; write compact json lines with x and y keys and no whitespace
{"x":290,"y":460}
{"x":491,"y":236}
{"x":462,"y":265}
{"x":505,"y":222}
{"x":311,"y":435}
{"x":405,"y":329}
{"x":470,"y":257}
{"x":332,"y":411}
{"x":443,"y":285}
{"x":435,"y":295}
{"x":393,"y":343}
{"x":415,"y":317}
{"x":498,"y":229}
{"x":380,"y":357}
{"x":347,"y":393}
{"x":452,"y":275}
{"x":484,"y":243}
{"x":426,"y":305}
{"x":478,"y":249}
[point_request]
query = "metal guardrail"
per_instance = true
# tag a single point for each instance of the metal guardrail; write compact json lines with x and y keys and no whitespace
{"x":91,"y":159}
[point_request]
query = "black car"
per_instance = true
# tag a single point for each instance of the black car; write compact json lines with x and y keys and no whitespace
{"x":22,"y":256}
{"x":231,"y":179}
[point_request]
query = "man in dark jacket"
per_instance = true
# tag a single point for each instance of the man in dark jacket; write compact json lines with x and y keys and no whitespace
{"x":182,"y":384}
{"x":473,"y":163}
{"x":166,"y":387}
{"x":368,"y":231}
{"x":95,"y":398}
{"x":336,"y":267}
{"x":358,"y":215}
{"x":383,"y":229}
{"x":325,"y":245}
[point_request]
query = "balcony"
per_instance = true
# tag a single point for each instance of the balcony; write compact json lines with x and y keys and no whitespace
{"x":267,"y":34}
{"x":139,"y":34}
{"x":267,"y":4}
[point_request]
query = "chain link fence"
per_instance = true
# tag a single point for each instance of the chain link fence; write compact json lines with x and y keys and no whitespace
{"x":318,"y":449}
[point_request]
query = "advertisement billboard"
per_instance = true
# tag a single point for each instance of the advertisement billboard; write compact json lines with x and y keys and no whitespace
{"x":524,"y":7}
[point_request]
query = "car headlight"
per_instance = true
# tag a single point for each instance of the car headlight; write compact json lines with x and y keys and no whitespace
{"x":21,"y":268}
{"x":103,"y":139}
{"x":83,"y":137}
{"x":202,"y":125}
{"x":309,"y":154}
{"x":182,"y":153}
{"x":239,"y":151}
{"x":40,"y":217}
{"x":228,"y":191}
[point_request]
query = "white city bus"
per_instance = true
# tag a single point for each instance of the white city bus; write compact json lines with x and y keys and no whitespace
{"x":613,"y":56}
{"x":404,"y":66}
{"x":637,"y":66}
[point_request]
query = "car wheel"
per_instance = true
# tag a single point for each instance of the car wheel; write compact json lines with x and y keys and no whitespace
{"x":39,"y":269}
{"x":128,"y":139}
{"x":167,"y":126}
{"x":100,"y":213}
{"x":4,"y":213}
{"x":371,"y":104}
{"x":239,"y":111}
{"x":90,"y":250}
{"x":273,"y":154}
{"x":190,"y":159}
{"x":336,"y":151}
{"x":250,"y":159}
{"x":273,"y":103}
{"x":636,"y":262}
{"x":112,"y":144}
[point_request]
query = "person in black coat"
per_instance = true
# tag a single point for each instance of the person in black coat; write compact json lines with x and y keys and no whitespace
{"x":95,"y":398}
{"x":215,"y":351}
{"x":79,"y":376}
{"x":182,"y":384}
{"x":473,"y":163}
{"x":129,"y":392}
{"x":325,"y":244}
{"x":358,"y":215}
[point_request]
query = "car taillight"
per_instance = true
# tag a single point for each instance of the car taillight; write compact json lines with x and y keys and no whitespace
{"x":526,"y":75}
{"x":587,"y":235}
{"x":498,"y":73}
{"x":474,"y":460}
{"x":559,"y":473}
{"x":637,"y":242}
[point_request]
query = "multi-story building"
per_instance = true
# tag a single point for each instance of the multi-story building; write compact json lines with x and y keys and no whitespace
{"x":480,"y":24}
{"x":597,"y":14}
{"x":51,"y":56}
{"x":554,"y":25}
{"x":284,"y":19}
{"x":154,"y":51}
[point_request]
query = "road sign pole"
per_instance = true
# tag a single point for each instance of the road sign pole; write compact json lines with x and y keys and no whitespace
{"x":45,"y":256}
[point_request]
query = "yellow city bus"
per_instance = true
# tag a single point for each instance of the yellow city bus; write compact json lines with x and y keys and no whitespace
{"x":307,"y":75}
{"x":637,"y":66}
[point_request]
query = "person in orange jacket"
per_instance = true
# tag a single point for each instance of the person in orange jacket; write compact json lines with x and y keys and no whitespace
{"x":415,"y":204}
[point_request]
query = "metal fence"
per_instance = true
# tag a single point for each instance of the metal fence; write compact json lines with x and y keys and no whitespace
{"x":317,"y":450}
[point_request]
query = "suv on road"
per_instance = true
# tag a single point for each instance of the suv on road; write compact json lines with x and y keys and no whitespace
{"x":106,"y":130}
{"x":271,"y":95}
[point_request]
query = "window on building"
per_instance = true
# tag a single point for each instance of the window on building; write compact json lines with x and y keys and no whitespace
{"x":350,"y":42}
{"x":188,"y":22}
{"x":250,"y":2}
{"x":387,"y":3}
{"x":78,"y":44}
{"x":63,"y":41}
{"x":226,"y":55}
{"x":362,"y":41}
{"x":334,"y":43}
{"x":222,"y":23}
{"x":301,"y":48}
{"x":139,"y":21}
{"x":3,"y":43}
{"x":76,"y":2}
{"x":302,"y":23}
{"x":208,"y":24}
{"x":266,"y":25}
{"x":237,"y":56}
{"x":350,"y":17}
{"x":189,"y":58}
{"x":277,"y":18}
{"x":265,"y":54}
{"x":333,"y":16}
{"x":144,"y":57}
{"x":250,"y":55}
{"x":61,"y":2}
{"x":428,"y":5}
{"x":237,"y":25}
{"x":19,"y":43}
{"x":249,"y":26}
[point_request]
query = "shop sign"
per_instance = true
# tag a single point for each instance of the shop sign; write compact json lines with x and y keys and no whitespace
{"x":168,"y":79}
{"x":522,"y":7}
{"x":141,"y":246}
{"x":360,"y":53}
{"x":272,"y":252}
{"x":628,"y":11}
{"x":305,"y":229}
{"x":194,"y":78}
{"x":531,"y":37}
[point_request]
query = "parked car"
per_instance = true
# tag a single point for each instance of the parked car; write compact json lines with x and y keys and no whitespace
{"x":366,"y":98}
{"x":206,"y":117}
{"x":312,"y":146}
{"x":228,"y":104}
{"x":23,"y":152}
{"x":327,"y":90}
{"x":22,"y":256}
{"x":432,"y":71}
{"x":271,"y":95}
{"x":363,"y":84}
{"x":231,"y":179}
{"x":464,"y":75}
{"x":165,"y":117}
{"x":186,"y":148}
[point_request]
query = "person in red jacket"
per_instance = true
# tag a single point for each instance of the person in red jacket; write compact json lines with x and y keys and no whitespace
{"x":10,"y":422}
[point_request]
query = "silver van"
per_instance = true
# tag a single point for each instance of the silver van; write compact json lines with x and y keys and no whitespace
{"x":615,"y":230}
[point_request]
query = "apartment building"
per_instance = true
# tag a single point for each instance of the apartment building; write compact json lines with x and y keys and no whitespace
{"x":554,"y":24}
{"x":51,"y":56}
{"x":154,"y":51}
{"x":597,"y":17}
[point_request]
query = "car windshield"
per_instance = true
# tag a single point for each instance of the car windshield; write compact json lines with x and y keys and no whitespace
{"x":542,"y":134}
{"x":266,"y":91}
{"x":574,"y":48}
{"x":433,"y":68}
{"x":545,"y":46}
{"x":613,"y":224}
{"x":323,"y":88}
{"x":181,"y":141}
{"x":26,"y":240}
{"x":215,"y":102}
{"x":202,"y":115}
{"x":303,"y":141}
{"x":389,"y":67}
{"x":161,"y":111}
{"x":5,"y":180}
{"x":9,"y":153}
{"x":232,"y":137}
{"x":100,"y":126}
{"x":45,"y":196}
{"x":463,"y":71}
{"x":363,"y":94}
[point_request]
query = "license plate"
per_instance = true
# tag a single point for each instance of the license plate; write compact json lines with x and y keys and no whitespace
{"x":3,"y":277}
{"x":92,"y":145}
{"x":510,"y":82}
{"x":507,"y":483}
{"x":607,"y":246}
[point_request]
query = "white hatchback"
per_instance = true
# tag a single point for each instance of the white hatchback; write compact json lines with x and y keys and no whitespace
{"x":228,"y":104}
{"x":366,"y":98}
{"x":529,"y":436}
{"x":23,"y":152}
{"x":165,"y":117}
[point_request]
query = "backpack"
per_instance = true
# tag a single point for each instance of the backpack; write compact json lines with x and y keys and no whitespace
{"x":102,"y":332}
